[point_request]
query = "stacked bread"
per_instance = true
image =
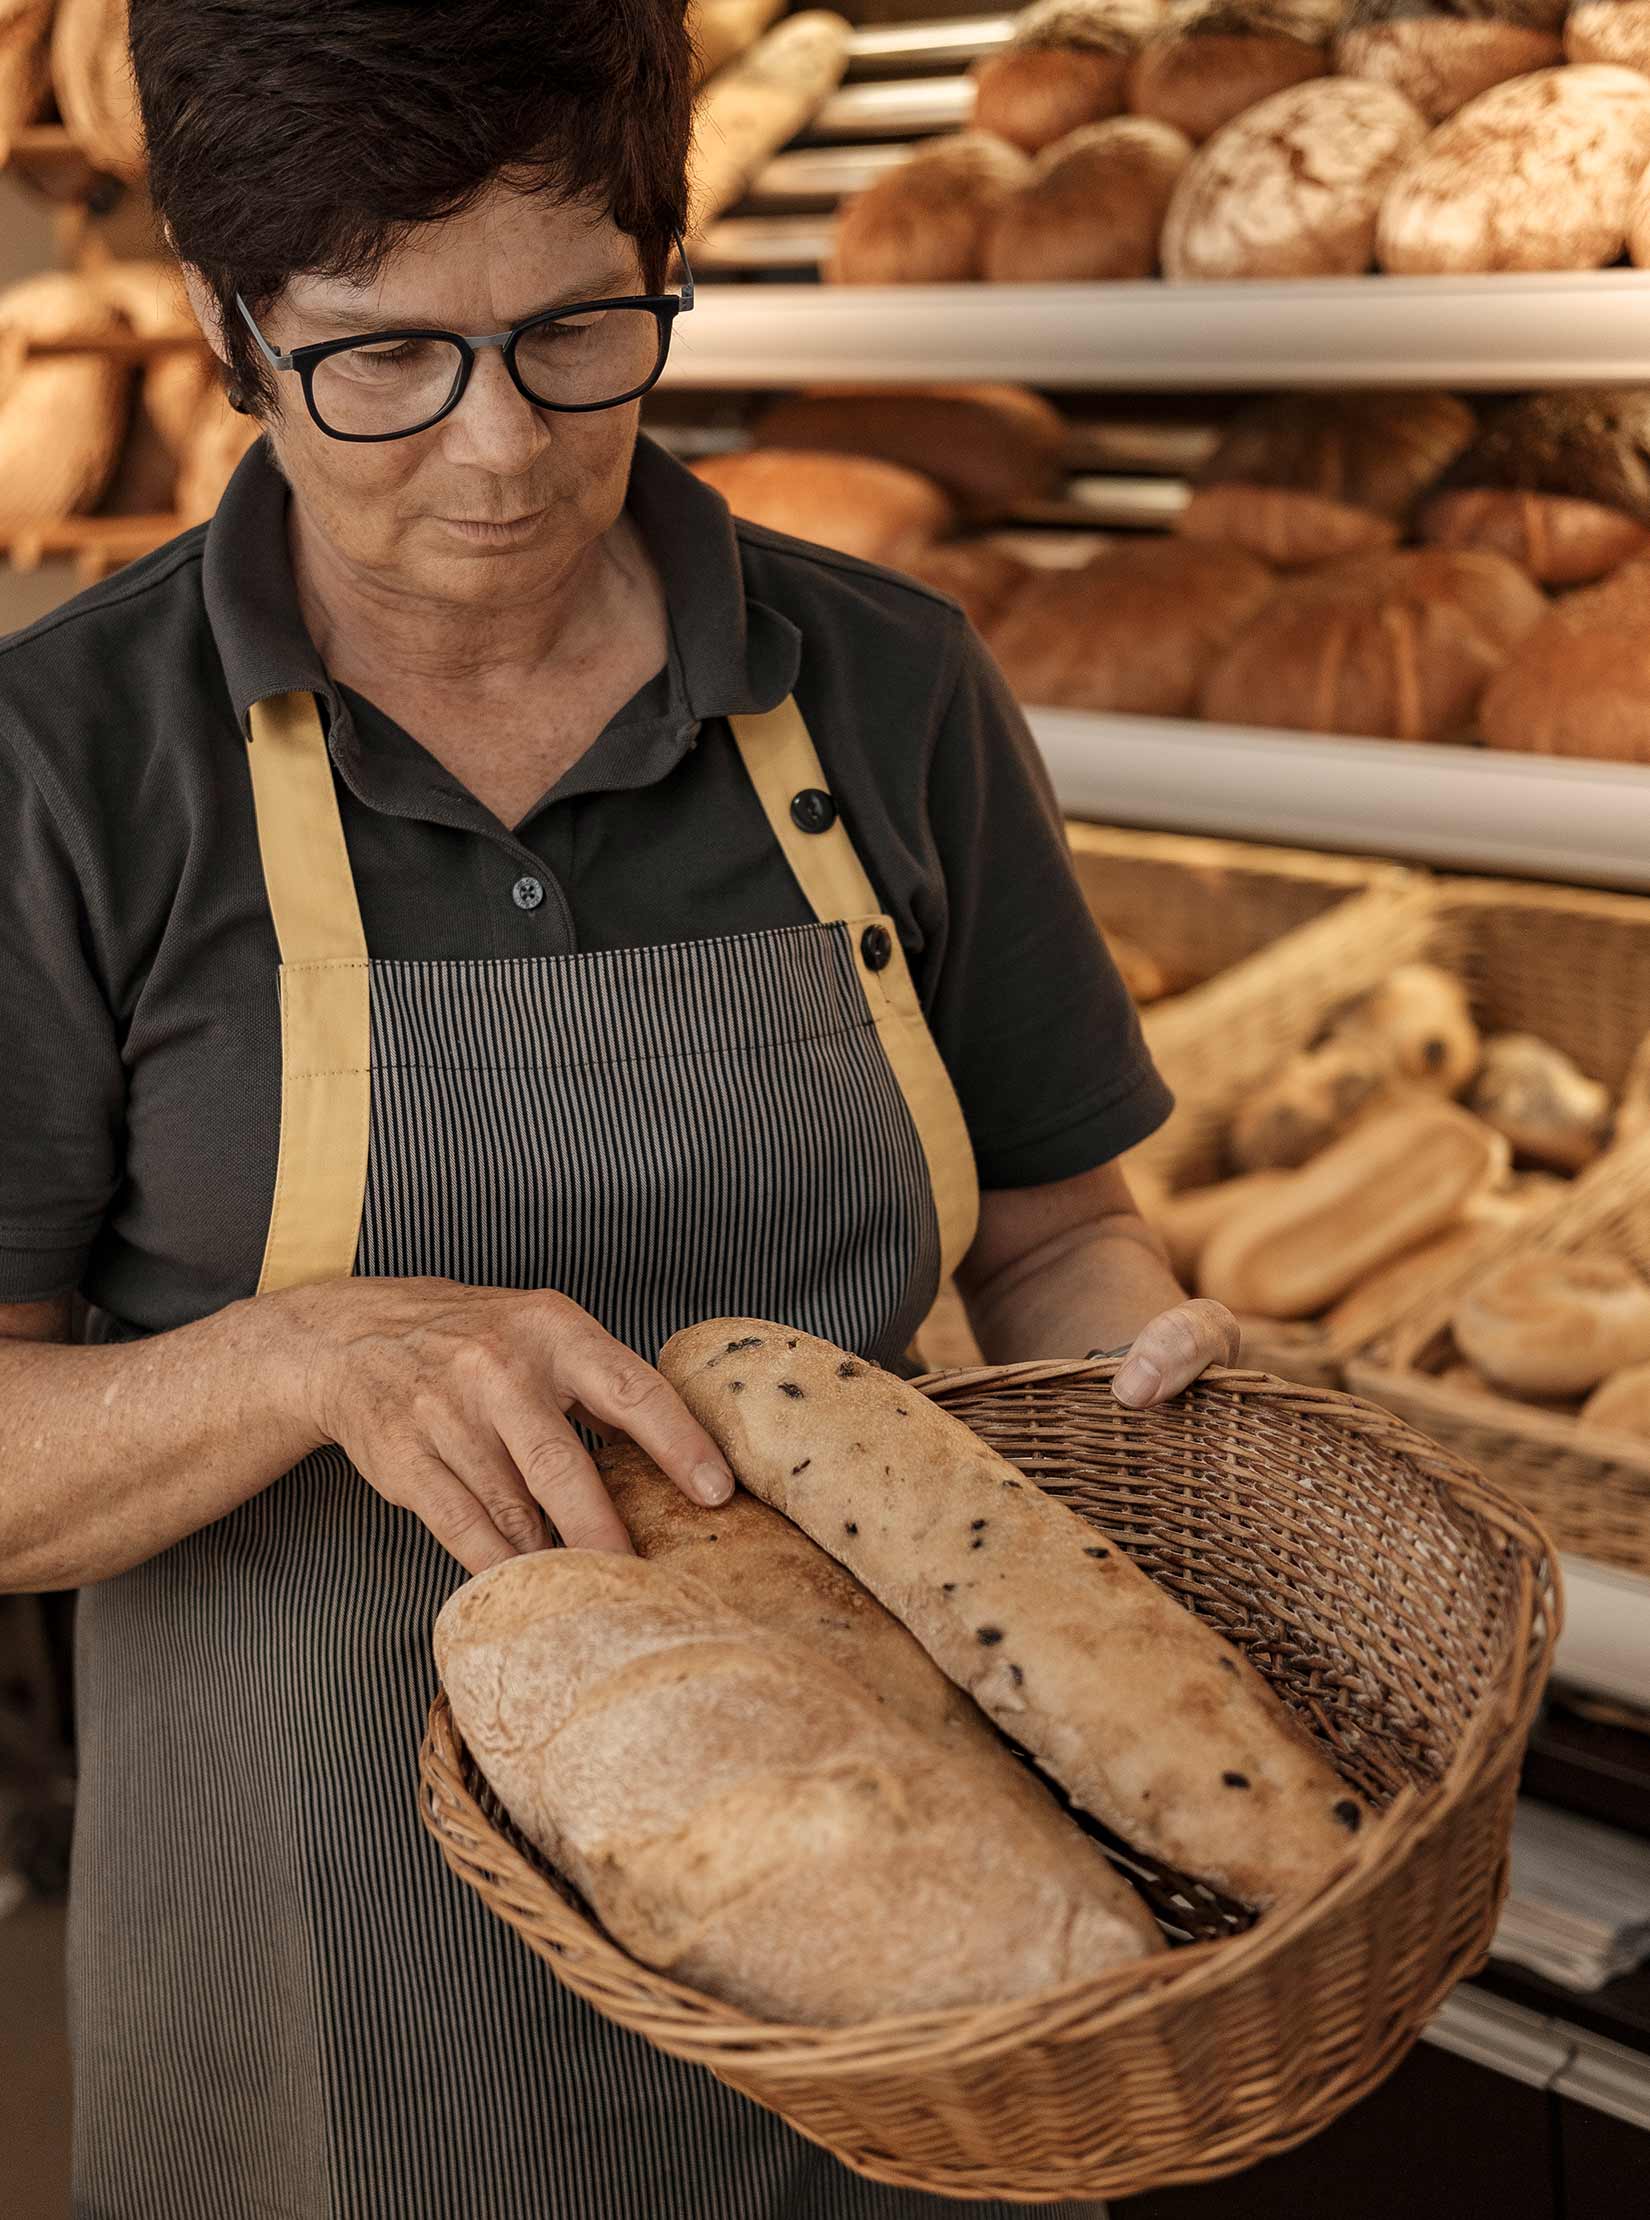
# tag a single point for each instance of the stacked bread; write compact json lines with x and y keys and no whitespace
{"x":784,"y":1716}
{"x":1232,"y":139}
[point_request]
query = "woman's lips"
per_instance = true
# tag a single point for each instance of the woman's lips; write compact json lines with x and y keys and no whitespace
{"x":506,"y":534}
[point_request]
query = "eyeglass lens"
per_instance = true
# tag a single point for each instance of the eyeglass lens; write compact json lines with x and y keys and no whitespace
{"x":565,"y":362}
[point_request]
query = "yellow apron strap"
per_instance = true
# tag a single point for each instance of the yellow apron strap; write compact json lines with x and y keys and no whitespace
{"x":780,"y":758}
{"x":326,"y":1029}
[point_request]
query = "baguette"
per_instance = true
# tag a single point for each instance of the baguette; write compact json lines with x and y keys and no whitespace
{"x":1186,"y":1223}
{"x":1555,"y":1325}
{"x":1146,"y":1717}
{"x":748,"y":112}
{"x":742,"y":1815}
{"x":92,"y":76}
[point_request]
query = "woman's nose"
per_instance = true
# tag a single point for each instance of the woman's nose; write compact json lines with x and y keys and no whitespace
{"x":495,"y":426}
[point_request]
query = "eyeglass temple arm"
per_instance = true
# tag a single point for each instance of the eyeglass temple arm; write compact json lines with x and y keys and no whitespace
{"x":272,"y":355}
{"x":687,"y":274}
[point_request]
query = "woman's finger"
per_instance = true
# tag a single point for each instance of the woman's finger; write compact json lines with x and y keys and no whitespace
{"x":613,"y":1384}
{"x":559,"y":1473}
{"x":476,"y":1456}
{"x":440,"y":1501}
{"x":1172,"y":1350}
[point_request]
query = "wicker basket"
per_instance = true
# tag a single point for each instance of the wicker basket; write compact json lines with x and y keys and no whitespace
{"x":1590,"y":1488}
{"x":1405,"y":1612}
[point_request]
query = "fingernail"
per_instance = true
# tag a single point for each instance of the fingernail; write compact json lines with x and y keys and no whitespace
{"x":712,"y":1483}
{"x":1137,"y":1383}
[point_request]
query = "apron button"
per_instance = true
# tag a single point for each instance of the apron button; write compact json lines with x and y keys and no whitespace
{"x":527,"y":894}
{"x":875,"y":946}
{"x":813,"y":811}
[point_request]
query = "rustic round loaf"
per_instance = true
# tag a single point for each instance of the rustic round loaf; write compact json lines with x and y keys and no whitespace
{"x":1555,"y":1325}
{"x":1376,"y":451}
{"x":1093,"y":206}
{"x":1201,"y":80}
{"x":925,"y":223}
{"x":992,"y":447}
{"x":1573,"y":693}
{"x":1063,"y":67}
{"x":1292,"y":188}
{"x":874,"y":510}
{"x":1609,"y":31}
{"x":1440,"y":61}
{"x":1534,"y":175}
{"x":1622,"y":1403}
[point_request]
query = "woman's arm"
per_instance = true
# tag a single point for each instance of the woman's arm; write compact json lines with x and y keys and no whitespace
{"x":1057,"y":1271}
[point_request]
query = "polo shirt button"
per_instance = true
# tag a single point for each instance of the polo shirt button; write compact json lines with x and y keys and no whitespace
{"x":527,"y":894}
{"x":875,"y":947}
{"x":813,"y":811}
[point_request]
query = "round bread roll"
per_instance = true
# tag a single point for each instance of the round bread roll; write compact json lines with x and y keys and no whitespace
{"x":1133,"y":631}
{"x":1609,"y":31}
{"x":874,"y":510}
{"x":1215,"y":58}
{"x":1292,"y":188}
{"x":92,"y":76}
{"x":1549,"y":1110}
{"x":62,"y":417}
{"x":1558,"y":540}
{"x":1393,"y":647}
{"x":1534,"y":175}
{"x":1093,"y":206}
{"x":1558,"y":480}
{"x":1442,"y":56}
{"x":992,"y":447}
{"x":983,"y":579}
{"x":1316,"y":1096}
{"x":1555,"y":1325}
{"x":1064,"y":66}
{"x":1421,"y":1020}
{"x":1579,"y":684}
{"x":925,"y":223}
{"x":1622,"y":1403}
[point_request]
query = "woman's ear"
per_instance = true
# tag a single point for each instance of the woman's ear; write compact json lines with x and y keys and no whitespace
{"x":204,"y":303}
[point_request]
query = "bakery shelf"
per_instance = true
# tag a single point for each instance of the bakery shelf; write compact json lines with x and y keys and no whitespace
{"x":1480,"y":333}
{"x":1605,"y":1644}
{"x":1530,"y":816}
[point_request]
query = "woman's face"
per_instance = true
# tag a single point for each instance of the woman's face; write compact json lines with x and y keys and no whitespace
{"x":496,"y":500}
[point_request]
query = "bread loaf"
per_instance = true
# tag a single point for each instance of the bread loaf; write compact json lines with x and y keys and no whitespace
{"x":1615,"y":31}
{"x":1420,"y":1020}
{"x":992,"y":447}
{"x":1550,"y":1111}
{"x":1145,"y":1716}
{"x":1300,"y":1110}
{"x":722,"y":30}
{"x":1579,"y":683}
{"x":741,"y":1814}
{"x":926,"y":222}
{"x":1555,"y":1325}
{"x":1534,"y":175}
{"x":62,"y":417}
{"x":871,"y":509}
{"x":1396,"y":647}
{"x":1558,"y":481}
{"x":1290,"y":530}
{"x":92,"y":77}
{"x":1092,"y":208}
{"x":1186,"y":1223}
{"x":1381,"y":1300}
{"x":1622,"y":1404}
{"x":1633,"y":1108}
{"x":1396,"y":1180}
{"x":1558,"y":540}
{"x":1638,"y":223}
{"x":1063,"y":67}
{"x":1133,"y":631}
{"x":1440,"y":57}
{"x":1292,"y":188}
{"x":747,"y":114}
{"x":25,"y":74}
{"x":981,"y":578}
{"x":1212,"y":59}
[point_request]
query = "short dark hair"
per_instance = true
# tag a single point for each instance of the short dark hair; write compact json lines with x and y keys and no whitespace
{"x":289,"y":136}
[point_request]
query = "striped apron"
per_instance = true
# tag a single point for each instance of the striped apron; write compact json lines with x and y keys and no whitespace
{"x":285,"y":2007}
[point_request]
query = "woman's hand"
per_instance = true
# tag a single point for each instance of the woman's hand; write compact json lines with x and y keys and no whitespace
{"x":457,"y":1403}
{"x":1172,"y":1349}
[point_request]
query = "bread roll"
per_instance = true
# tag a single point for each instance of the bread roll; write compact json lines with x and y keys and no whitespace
{"x":1550,"y":1111}
{"x":1145,"y":1716}
{"x":1292,"y":188}
{"x":926,"y":222}
{"x":1315,"y":1096}
{"x":62,"y":417}
{"x":1609,"y":31}
{"x":1534,"y":175}
{"x":1133,"y":631}
{"x":741,"y":1814}
{"x":92,"y":76}
{"x":1395,"y":647}
{"x":1186,"y":1223}
{"x":1421,"y":1020}
{"x":1622,"y":1404}
{"x":747,"y":114}
{"x":1555,"y":1325}
{"x":1092,"y":208}
{"x":1215,"y":58}
{"x":25,"y":73}
{"x":1394,"y":1181}
{"x":992,"y":447}
{"x":1372,"y":451}
{"x":1290,"y":530}
{"x":722,"y":30}
{"x":1063,"y":67}
{"x":871,"y":509}
{"x":1558,"y":540}
{"x":1440,"y":57}
{"x":1395,"y":1288}
{"x":1579,"y":684}
{"x":1557,"y":480}
{"x":983,"y":579}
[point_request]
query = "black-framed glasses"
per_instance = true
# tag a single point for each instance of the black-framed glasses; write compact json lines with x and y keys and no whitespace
{"x":389,"y":384}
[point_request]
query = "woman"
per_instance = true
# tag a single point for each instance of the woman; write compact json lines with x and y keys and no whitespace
{"x":473,"y":910}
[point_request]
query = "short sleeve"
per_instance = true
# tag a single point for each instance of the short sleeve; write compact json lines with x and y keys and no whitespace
{"x":61,"y":1081}
{"x":1026,"y":1006}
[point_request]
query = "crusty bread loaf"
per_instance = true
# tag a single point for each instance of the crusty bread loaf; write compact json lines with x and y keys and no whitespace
{"x":1394,"y":1288}
{"x":1186,"y":1223}
{"x":1396,"y":647}
{"x":872,"y":509}
{"x":1588,"y":452}
{"x":992,"y":447}
{"x":92,"y":77}
{"x":751,"y":109}
{"x":1201,"y":76}
{"x":1538,"y":174}
{"x":1579,"y":683}
{"x":1399,"y":1177}
{"x":1555,"y":1325}
{"x":1063,"y":67}
{"x":1145,"y":1716}
{"x":1440,"y":57}
{"x":982,"y":578}
{"x":1420,"y":1019}
{"x":1373,"y":451}
{"x":1292,"y":188}
{"x":1134,"y":631}
{"x":1559,"y":540}
{"x":1622,"y":1404}
{"x":1548,"y":1108}
{"x":926,"y":222}
{"x":62,"y":417}
{"x":1615,"y":31}
{"x":1092,"y":208}
{"x":722,"y":30}
{"x":741,"y":1814}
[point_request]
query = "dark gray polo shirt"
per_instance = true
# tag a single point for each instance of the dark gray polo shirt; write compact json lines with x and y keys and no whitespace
{"x":140,"y":1068}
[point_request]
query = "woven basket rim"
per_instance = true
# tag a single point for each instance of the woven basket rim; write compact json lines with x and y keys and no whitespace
{"x":1309,"y":866}
{"x":700,"y":2028}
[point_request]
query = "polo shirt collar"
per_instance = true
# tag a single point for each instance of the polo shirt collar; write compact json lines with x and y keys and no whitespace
{"x":736,"y":657}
